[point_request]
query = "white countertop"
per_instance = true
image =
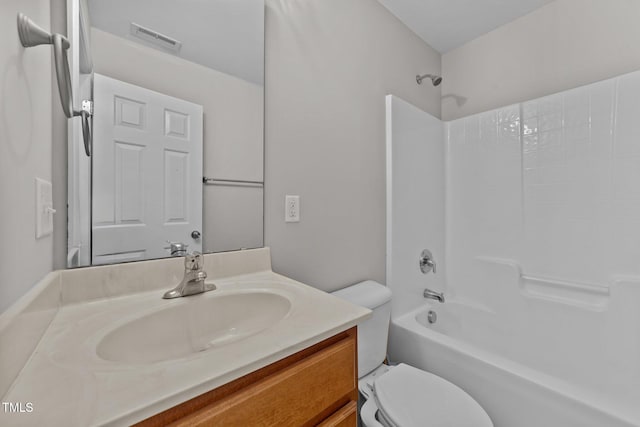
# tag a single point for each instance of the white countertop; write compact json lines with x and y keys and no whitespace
{"x":68,"y":384}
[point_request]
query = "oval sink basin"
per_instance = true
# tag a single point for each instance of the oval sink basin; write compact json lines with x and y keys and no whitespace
{"x":193,"y":325}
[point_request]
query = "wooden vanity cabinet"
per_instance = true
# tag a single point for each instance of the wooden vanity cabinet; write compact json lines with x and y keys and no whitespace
{"x":316,"y":386}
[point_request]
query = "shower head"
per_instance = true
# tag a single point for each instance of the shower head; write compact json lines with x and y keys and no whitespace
{"x":436,"y":80}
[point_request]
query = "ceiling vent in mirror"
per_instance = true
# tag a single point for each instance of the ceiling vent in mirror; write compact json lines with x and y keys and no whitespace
{"x":155,"y":38}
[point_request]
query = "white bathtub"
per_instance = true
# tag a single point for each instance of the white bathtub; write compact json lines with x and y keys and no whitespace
{"x":525,"y":375}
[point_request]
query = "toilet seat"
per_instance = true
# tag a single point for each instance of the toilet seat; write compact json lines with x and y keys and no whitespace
{"x":409,"y":397}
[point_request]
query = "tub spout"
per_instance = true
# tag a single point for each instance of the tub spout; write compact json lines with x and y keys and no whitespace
{"x":429,"y":294}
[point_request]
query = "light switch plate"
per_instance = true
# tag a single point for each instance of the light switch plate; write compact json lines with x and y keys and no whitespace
{"x":292,"y":208}
{"x":44,"y":208}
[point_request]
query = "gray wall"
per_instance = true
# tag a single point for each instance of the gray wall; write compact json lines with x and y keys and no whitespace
{"x":329,"y":65}
{"x":565,"y":44}
{"x":25,"y":150}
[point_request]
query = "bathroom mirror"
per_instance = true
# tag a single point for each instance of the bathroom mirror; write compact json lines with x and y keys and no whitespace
{"x":177,"y":154}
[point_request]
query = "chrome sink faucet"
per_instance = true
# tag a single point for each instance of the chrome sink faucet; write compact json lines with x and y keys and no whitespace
{"x":437,"y":296}
{"x":193,"y":281}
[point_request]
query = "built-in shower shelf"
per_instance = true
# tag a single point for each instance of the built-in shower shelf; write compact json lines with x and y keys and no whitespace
{"x":586,"y":295}
{"x":579,"y":294}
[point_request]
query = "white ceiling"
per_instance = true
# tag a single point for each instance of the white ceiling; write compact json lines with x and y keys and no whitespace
{"x":226,"y":35}
{"x":447,"y":24}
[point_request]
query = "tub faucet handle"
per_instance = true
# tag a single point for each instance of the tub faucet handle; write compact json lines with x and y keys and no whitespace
{"x":427,"y":263}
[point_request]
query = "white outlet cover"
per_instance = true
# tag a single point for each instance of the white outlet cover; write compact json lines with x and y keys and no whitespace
{"x":291,"y":208}
{"x":44,"y":208}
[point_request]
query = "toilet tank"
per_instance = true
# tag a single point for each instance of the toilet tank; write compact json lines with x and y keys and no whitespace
{"x":372,"y":333}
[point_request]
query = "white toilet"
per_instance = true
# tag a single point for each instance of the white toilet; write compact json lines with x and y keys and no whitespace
{"x":402,"y":396}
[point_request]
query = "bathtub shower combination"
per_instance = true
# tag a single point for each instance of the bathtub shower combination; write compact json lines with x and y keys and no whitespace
{"x":532,"y":213}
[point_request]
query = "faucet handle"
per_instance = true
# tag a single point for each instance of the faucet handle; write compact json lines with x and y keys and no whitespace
{"x":431,"y":263}
{"x":427,"y":263}
{"x":193,"y":261}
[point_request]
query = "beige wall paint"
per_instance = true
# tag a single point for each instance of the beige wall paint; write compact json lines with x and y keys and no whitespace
{"x":565,"y":44}
{"x":25,"y":150}
{"x":329,"y":65}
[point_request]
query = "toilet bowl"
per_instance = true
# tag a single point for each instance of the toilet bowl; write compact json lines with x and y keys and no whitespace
{"x":402,"y":395}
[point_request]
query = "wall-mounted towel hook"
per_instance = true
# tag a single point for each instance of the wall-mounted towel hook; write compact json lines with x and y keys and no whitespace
{"x":33,"y":35}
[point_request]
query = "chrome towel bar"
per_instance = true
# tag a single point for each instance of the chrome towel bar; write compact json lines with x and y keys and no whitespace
{"x":231,"y":182}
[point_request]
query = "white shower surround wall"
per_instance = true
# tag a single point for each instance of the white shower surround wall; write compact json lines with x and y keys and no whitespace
{"x":542,"y":248}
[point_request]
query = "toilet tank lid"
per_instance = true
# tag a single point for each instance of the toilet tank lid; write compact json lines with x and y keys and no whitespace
{"x":367,"y":294}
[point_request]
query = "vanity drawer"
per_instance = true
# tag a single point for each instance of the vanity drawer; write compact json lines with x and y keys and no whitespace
{"x":316,"y":385}
{"x":344,"y":417}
